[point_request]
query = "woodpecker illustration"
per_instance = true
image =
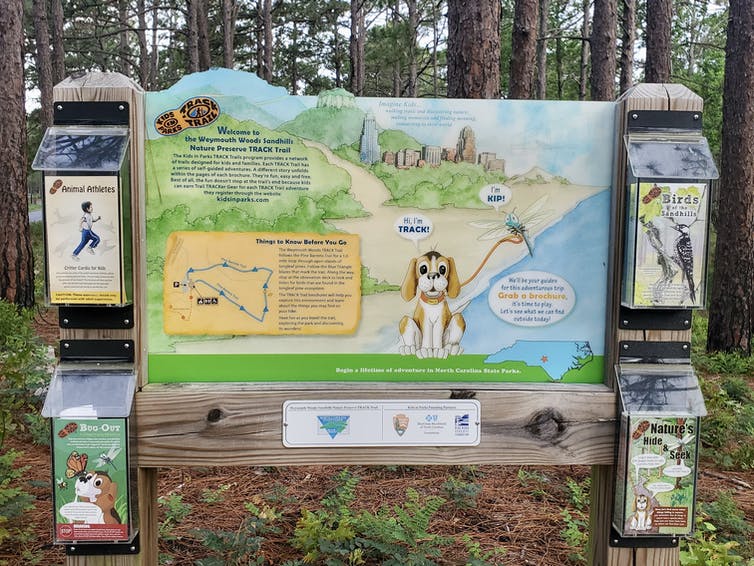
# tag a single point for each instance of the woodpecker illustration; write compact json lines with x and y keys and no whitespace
{"x":684,"y":257}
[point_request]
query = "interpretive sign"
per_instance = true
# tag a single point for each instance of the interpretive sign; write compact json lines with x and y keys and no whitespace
{"x":337,"y":238}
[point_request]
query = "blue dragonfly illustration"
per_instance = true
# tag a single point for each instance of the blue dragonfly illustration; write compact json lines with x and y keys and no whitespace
{"x":516,"y":226}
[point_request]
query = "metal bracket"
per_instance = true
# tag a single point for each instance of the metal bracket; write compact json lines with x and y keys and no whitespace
{"x":617,"y":541}
{"x":654,"y":319}
{"x":90,"y":113}
{"x":104,"y":549}
{"x":96,"y":317}
{"x":654,"y":352}
{"x":664,"y":120}
{"x":97,"y":350}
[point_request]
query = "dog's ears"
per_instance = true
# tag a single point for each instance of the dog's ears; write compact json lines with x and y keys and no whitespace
{"x":454,"y":285}
{"x":408,"y":287}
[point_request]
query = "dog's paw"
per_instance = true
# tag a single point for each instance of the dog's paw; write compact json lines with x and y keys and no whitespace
{"x":454,"y":349}
{"x":441,"y":353}
{"x":423,"y":353}
{"x":407,"y":350}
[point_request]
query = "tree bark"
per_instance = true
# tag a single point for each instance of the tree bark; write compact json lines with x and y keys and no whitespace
{"x":583,"y":74}
{"x":154,"y":54}
{"x":44,"y":61}
{"x":474,"y":49}
{"x":202,"y":28}
{"x":141,"y":33}
{"x":58,"y":51}
{"x":230,"y":10}
{"x":123,"y":50}
{"x":628,"y":41}
{"x":523,"y":49}
{"x":544,"y":13}
{"x":356,"y":48}
{"x":397,"y":82}
{"x":659,"y":27}
{"x":413,"y":25}
{"x":604,"y":26}
{"x":192,"y":42}
{"x":16,"y":260}
{"x":731,"y":310}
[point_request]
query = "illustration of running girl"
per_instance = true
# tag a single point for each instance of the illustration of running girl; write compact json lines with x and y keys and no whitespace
{"x":87,"y":234}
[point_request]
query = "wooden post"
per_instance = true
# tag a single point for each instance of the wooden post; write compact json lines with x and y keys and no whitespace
{"x":641,"y":97}
{"x":96,"y":87}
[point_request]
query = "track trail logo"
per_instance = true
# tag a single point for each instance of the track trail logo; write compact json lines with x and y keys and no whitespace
{"x":194,"y":113}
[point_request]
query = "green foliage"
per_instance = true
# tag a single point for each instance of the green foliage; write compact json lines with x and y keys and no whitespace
{"x":477,"y":557}
{"x":175,"y":512}
{"x":392,"y":536}
{"x":24,"y":368}
{"x":719,"y":363}
{"x":463,"y":494}
{"x":575,"y":534}
{"x":727,"y":432}
{"x":14,"y":501}
{"x":216,"y":495}
{"x":536,"y":483}
{"x":576,"y":530}
{"x":704,"y":549}
{"x":730,"y":521}
{"x":241,"y":546}
{"x":401,"y":535}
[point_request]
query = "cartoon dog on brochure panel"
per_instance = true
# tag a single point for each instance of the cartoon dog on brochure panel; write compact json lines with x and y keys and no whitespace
{"x":100,"y":490}
{"x":432,"y":332}
{"x":641,"y":520}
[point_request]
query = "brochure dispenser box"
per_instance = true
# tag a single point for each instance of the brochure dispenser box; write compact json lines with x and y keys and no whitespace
{"x":669,"y":176}
{"x":86,"y":206}
{"x":660,"y":410}
{"x":94,"y":476}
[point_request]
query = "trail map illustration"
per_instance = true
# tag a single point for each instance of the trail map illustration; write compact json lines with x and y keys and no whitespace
{"x":343,"y":238}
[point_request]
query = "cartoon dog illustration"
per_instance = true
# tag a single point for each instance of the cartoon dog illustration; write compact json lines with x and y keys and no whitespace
{"x":100,"y":490}
{"x":641,"y":520}
{"x":432,"y":332}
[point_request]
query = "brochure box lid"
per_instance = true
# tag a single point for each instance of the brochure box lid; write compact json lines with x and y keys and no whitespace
{"x":90,"y":391}
{"x":82,"y":148}
{"x":671,"y":389}
{"x":669,"y":155}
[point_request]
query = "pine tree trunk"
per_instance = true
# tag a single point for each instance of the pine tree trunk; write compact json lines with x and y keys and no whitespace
{"x":413,"y":25}
{"x":44,"y":61}
{"x":397,"y":82}
{"x":202,"y":28}
{"x":583,"y":74}
{"x":659,"y":27}
{"x":16,"y":260}
{"x":544,"y":13}
{"x":58,"y":51}
{"x":123,"y":51}
{"x":604,"y":27}
{"x":474,"y":49}
{"x":154,"y":54}
{"x":628,"y":40}
{"x":356,"y":48}
{"x":731,"y":310}
{"x":143,"y":51}
{"x":192,"y":43}
{"x":229,"y":30}
{"x":524,"y":47}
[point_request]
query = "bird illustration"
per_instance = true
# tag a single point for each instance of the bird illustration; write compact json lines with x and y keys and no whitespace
{"x":684,"y":257}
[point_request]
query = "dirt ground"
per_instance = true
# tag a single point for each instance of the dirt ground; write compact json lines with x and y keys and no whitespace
{"x":518,"y":508}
